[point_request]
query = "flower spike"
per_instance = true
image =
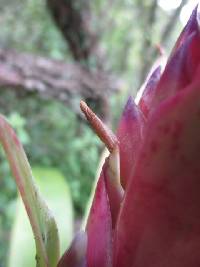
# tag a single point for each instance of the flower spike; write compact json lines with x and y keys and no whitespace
{"x":105,"y":134}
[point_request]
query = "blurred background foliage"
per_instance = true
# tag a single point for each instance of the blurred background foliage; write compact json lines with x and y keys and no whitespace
{"x":126,"y":34}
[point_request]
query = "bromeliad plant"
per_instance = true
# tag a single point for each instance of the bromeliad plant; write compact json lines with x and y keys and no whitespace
{"x":146,"y":207}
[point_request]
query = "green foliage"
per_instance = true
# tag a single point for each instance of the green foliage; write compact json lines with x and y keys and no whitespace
{"x":59,"y":140}
{"x":123,"y":32}
{"x":18,"y":123}
{"x":27,"y":26}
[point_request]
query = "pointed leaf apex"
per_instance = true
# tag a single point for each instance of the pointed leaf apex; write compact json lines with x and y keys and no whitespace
{"x":129,"y":107}
{"x":103,"y":132}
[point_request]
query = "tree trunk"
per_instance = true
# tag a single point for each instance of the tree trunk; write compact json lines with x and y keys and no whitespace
{"x":73,"y":19}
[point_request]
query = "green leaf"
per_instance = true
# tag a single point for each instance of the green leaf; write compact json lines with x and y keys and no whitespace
{"x":42,"y":222}
{"x":55,"y":191}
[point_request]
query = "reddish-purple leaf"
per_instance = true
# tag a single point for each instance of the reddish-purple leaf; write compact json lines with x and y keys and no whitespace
{"x":191,"y":26}
{"x":129,"y":134}
{"x":149,"y":91}
{"x":159,"y":223}
{"x":181,"y":66}
{"x":99,"y":228}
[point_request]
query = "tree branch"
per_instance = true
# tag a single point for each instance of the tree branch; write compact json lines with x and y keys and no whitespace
{"x":52,"y":78}
{"x":73,"y":18}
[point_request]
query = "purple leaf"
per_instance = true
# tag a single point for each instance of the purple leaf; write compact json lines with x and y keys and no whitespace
{"x":129,"y":134}
{"x":160,"y":220}
{"x":99,"y":228}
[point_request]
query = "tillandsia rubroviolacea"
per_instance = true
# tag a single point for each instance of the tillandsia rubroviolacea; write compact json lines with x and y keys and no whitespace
{"x":146,"y":207}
